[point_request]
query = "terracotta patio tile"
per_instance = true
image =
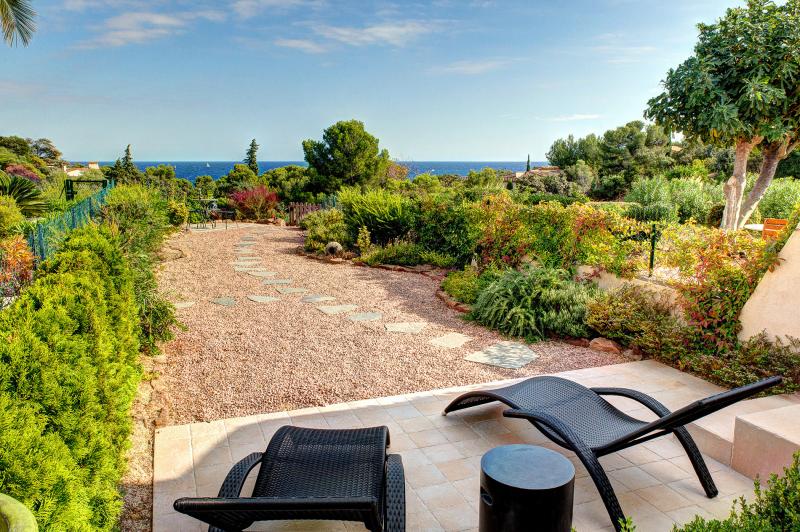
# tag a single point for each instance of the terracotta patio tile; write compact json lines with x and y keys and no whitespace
{"x":458,"y":469}
{"x":427,"y":438}
{"x":442,"y":453}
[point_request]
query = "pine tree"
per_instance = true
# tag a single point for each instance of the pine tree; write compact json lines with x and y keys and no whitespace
{"x":528,"y":165}
{"x":250,"y":159}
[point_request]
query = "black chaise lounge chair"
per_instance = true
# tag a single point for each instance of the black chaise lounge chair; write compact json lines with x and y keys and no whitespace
{"x":305,"y":473}
{"x":579,"y":419}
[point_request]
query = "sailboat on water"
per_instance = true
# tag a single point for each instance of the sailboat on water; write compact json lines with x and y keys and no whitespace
{"x":208,"y":165}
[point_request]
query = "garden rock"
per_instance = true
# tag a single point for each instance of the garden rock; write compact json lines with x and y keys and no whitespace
{"x":336,"y":309}
{"x":317,"y":298}
{"x":365,"y":316}
{"x":605,"y":345}
{"x":333,"y":249}
{"x":291,"y":290}
{"x":452,"y":340}
{"x":510,"y":355}
{"x":224,"y":301}
{"x":183,"y":304}
{"x":578,"y":342}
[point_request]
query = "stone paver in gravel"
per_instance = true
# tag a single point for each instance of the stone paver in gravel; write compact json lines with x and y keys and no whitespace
{"x":245,"y":244}
{"x":245,"y":258}
{"x":245,"y":251}
{"x":365,"y":316}
{"x":253,"y":268}
{"x":511,"y":355}
{"x":248,"y":238}
{"x":261,"y":273}
{"x":451,"y":340}
{"x":410,"y":327}
{"x":262,"y":299}
{"x":224,"y":301}
{"x":184,"y":304}
{"x":291,"y":290}
{"x":336,"y":309}
{"x":317,"y":298}
{"x":245,"y":264}
{"x":277,"y":281}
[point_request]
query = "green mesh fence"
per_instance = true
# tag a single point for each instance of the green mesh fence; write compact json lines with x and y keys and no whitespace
{"x":45,"y":237}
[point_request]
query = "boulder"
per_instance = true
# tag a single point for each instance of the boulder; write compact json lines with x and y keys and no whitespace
{"x":333,"y":249}
{"x":579,"y":342}
{"x":605,"y":345}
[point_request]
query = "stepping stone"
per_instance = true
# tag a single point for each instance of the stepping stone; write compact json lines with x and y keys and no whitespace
{"x":245,"y":251}
{"x":248,"y":238}
{"x":224,"y":301}
{"x":245,"y":244}
{"x":365,"y":316}
{"x":263,"y":299}
{"x":184,"y":304}
{"x":249,"y":269}
{"x":291,"y":290}
{"x":336,"y":309}
{"x":451,"y":340}
{"x":261,"y":273}
{"x":411,"y":327}
{"x":245,"y":264}
{"x":317,"y":298}
{"x":277,"y":281}
{"x":510,"y":355}
{"x":247,"y":259}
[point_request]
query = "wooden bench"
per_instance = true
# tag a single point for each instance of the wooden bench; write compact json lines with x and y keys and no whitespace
{"x":772,"y":227}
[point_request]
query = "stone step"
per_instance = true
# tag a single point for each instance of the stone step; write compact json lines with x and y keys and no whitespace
{"x":764,"y":442}
{"x":715,"y":434}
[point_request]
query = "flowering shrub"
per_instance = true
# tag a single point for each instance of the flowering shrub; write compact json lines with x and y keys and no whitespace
{"x":23,"y":170}
{"x":16,"y":265}
{"x":257,"y":203}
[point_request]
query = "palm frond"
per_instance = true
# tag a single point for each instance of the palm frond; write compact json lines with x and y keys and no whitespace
{"x":17,"y":20}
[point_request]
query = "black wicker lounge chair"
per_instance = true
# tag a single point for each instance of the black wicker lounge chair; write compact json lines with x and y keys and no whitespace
{"x":305,"y":473}
{"x":579,"y":419}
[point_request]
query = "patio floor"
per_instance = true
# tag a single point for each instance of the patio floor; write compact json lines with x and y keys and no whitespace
{"x":655,"y":482}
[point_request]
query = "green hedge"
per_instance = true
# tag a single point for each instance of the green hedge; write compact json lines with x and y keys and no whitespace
{"x":68,"y":375}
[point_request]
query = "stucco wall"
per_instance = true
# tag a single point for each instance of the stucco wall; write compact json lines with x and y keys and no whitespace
{"x":609,"y":281}
{"x":775,"y":304}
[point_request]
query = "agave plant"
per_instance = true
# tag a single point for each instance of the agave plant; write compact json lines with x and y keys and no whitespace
{"x":28,"y":198}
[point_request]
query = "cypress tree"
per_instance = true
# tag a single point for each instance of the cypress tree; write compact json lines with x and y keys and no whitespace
{"x":528,"y":165}
{"x":250,"y":159}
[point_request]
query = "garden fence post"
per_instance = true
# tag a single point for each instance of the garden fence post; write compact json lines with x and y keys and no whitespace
{"x":653,"y":240}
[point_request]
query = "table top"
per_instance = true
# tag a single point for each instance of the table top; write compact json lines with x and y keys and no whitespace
{"x":527,"y":467}
{"x":754,"y":227}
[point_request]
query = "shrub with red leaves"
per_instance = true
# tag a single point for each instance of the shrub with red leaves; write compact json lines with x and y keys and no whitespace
{"x":16,"y":265}
{"x":22,"y":170}
{"x":257,"y":203}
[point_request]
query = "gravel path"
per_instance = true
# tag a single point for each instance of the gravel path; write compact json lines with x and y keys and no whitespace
{"x":254,"y":357}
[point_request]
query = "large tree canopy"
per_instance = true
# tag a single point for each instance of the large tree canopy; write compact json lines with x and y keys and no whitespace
{"x":347,"y":155}
{"x":740,"y":87}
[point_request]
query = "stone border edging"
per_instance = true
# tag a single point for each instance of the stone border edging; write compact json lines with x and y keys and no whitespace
{"x":452,"y":303}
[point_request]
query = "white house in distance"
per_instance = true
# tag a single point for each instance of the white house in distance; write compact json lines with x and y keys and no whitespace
{"x":79,"y":171}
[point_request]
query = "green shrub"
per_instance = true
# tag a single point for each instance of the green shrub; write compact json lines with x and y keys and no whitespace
{"x":775,"y":509}
{"x":177,"y":213}
{"x":140,"y":216}
{"x":323,"y":226}
{"x":780,"y":198}
{"x":649,"y":190}
{"x":405,"y":254}
{"x":653,"y":212}
{"x":450,"y":226}
{"x":714,"y":216}
{"x":387,"y":216}
{"x":466,"y":285}
{"x":638,"y":318}
{"x":27,"y":196}
{"x":693,"y":198}
{"x":534,"y":198}
{"x":534,"y":303}
{"x":609,"y":186}
{"x":10,"y":216}
{"x":68,"y":375}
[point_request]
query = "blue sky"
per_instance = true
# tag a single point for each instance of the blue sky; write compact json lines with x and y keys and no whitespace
{"x":440,"y":80}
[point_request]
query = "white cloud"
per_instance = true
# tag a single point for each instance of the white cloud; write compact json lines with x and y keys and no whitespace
{"x":392,"y":33}
{"x":473,"y":68}
{"x":304,"y":45}
{"x":251,"y":8}
{"x":577,"y":117}
{"x":616,"y":49}
{"x":143,"y":27}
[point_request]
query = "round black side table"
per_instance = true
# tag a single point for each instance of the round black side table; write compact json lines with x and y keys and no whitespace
{"x":524,"y":487}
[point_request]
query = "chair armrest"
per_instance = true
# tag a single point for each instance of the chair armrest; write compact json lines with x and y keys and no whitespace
{"x":656,"y":407}
{"x":395,"y":496}
{"x":232,"y":485}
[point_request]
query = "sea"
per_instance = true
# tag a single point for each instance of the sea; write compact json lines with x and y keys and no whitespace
{"x":216,"y":169}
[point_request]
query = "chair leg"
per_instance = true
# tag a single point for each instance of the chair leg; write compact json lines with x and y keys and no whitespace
{"x":698,"y":463}
{"x":603,"y":485}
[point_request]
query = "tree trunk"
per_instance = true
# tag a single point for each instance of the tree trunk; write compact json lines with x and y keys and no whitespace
{"x":734,"y":187}
{"x":774,"y":153}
